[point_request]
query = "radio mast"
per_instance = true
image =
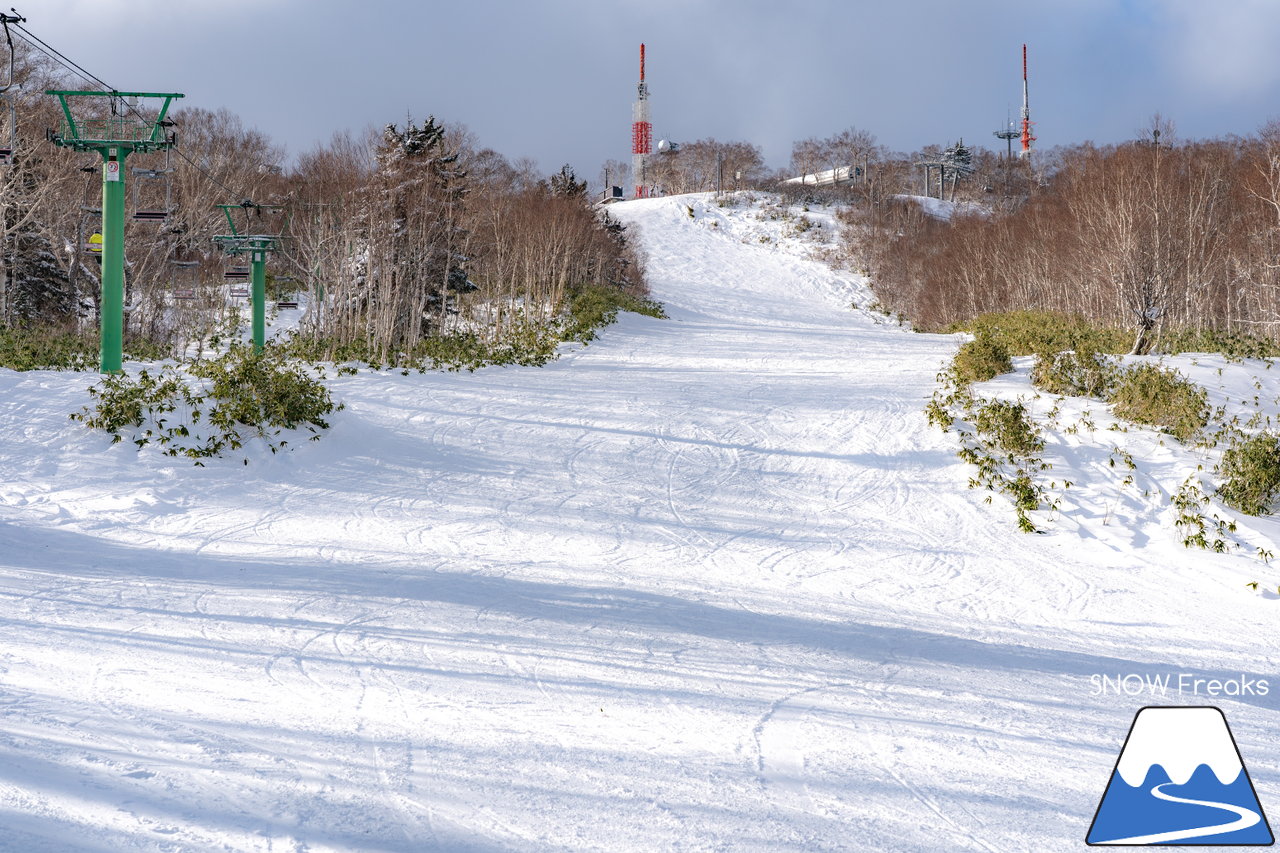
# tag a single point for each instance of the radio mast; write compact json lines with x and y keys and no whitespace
{"x":641,"y":135}
{"x":1027,"y":138}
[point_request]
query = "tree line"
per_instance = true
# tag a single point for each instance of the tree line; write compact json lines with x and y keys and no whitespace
{"x":413,"y":232}
{"x":397,"y":235}
{"x":1151,"y":235}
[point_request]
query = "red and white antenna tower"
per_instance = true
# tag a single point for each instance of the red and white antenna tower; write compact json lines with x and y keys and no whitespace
{"x":1027,"y":138}
{"x":641,"y":135}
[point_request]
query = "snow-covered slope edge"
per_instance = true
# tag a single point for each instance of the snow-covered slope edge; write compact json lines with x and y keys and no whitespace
{"x":1120,"y":483}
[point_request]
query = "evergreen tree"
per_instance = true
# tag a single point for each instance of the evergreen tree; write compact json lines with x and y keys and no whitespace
{"x":565,"y":183}
{"x":415,"y":258}
{"x":38,"y":288}
{"x":40,"y":291}
{"x":959,"y":159}
{"x":620,"y":271}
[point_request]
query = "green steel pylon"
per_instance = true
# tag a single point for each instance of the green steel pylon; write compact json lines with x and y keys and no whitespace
{"x":256,"y":246}
{"x":115,"y":137}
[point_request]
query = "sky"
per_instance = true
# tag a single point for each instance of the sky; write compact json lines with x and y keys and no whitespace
{"x":554,"y":80}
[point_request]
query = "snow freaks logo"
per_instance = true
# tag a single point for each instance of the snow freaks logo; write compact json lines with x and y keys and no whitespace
{"x":1134,"y":684}
{"x":1179,"y":781}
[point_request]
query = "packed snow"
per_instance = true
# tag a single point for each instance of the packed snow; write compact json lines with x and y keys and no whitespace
{"x":709,"y":583}
{"x":828,"y":178}
{"x":943,"y":209}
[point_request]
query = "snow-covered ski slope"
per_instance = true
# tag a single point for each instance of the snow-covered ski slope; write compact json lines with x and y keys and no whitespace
{"x":710,"y":583}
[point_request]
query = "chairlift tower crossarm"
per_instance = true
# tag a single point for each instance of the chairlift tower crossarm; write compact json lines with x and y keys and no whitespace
{"x":125,"y":131}
{"x":129,"y":132}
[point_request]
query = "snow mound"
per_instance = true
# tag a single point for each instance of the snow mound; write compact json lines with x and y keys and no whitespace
{"x":942,"y":209}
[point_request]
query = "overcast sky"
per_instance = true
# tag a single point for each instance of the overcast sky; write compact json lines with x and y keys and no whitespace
{"x":554,"y":79}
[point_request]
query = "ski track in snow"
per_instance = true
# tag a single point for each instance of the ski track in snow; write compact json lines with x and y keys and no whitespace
{"x":710,"y":583}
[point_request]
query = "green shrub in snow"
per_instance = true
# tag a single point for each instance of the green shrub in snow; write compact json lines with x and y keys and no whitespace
{"x":520,"y":342}
{"x":57,"y":349}
{"x":1007,"y":426}
{"x":1032,"y":332}
{"x":1005,"y":452}
{"x":590,"y":308}
{"x":1081,"y":372}
{"x":981,"y":359}
{"x":218,"y":406}
{"x":1251,"y":474}
{"x":1160,"y":397}
{"x":1235,"y":345}
{"x":264,"y":391}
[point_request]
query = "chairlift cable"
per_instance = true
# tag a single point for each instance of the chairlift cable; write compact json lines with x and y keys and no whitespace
{"x":55,"y":54}
{"x":63,"y":60}
{"x":63,"y":64}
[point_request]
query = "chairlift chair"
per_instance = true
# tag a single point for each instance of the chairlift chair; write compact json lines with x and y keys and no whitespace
{"x":238,"y":278}
{"x":152,"y":213}
{"x":184,"y":278}
{"x":6,"y":149}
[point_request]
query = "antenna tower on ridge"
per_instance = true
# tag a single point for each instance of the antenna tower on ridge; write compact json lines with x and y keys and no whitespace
{"x":1027,"y":138}
{"x":641,"y":135}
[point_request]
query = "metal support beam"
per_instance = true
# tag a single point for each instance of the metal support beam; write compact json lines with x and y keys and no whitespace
{"x":111,"y":345}
{"x":258,"y":268}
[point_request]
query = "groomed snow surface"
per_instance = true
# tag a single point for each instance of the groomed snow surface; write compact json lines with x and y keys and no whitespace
{"x":710,"y":583}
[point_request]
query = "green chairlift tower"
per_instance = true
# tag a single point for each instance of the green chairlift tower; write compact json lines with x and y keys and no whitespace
{"x":242,"y":241}
{"x":116,"y":134}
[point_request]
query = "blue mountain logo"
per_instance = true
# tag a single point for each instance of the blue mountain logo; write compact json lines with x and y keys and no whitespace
{"x":1180,"y":781}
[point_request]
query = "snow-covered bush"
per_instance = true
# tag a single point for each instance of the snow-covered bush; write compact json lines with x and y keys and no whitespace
{"x":212,"y":406}
{"x":981,"y":359}
{"x":1007,"y":426}
{"x":1079,"y":373}
{"x":43,"y":348}
{"x":1251,"y":472}
{"x":1161,"y":397}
